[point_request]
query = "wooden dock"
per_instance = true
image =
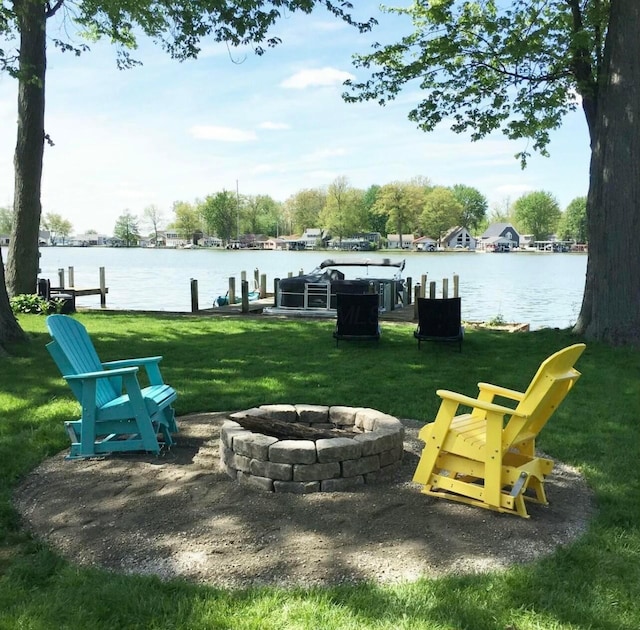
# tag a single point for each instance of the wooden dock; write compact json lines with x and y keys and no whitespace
{"x":255,"y":307}
{"x":102,"y":290}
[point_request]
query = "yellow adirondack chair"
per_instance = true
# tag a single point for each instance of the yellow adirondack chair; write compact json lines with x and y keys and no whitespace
{"x":478,"y":458}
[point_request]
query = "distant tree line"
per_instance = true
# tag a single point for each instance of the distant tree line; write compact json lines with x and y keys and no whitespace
{"x":411,"y":207}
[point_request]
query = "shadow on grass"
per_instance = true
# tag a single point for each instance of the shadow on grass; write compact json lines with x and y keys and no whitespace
{"x":235,"y":364}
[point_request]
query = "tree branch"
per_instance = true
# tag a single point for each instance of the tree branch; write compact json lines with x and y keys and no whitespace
{"x":582,"y":69}
{"x":52,"y":10}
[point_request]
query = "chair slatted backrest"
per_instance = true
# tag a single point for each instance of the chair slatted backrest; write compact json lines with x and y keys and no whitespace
{"x":73,"y":352}
{"x":439,"y":317}
{"x":548,"y":388}
{"x":357,"y":314}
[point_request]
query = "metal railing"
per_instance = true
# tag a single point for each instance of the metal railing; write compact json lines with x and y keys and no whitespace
{"x":318,"y":296}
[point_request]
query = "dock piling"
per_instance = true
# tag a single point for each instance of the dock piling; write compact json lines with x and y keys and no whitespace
{"x":194,"y":296}
{"x":103,"y":289}
{"x":244,"y":289}
{"x":232,"y":290}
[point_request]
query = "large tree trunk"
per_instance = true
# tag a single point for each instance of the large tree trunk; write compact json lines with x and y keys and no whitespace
{"x":611,"y":304}
{"x":10,"y":330}
{"x":23,"y":259}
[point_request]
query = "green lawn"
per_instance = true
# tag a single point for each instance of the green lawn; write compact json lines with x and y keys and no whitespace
{"x":233,"y":363}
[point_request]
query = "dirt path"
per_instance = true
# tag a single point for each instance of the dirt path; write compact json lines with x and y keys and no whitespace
{"x":179,"y":516}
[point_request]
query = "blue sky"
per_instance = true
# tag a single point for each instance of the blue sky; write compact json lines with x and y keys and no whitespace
{"x":276,"y":124}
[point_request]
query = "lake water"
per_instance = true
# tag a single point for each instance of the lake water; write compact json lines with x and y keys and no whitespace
{"x":542,"y":289}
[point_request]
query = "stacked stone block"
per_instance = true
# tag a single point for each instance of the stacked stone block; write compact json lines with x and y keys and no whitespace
{"x":303,"y":466}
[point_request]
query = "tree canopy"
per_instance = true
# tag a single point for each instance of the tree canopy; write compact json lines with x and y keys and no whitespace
{"x":305,"y":207}
{"x":6,"y":220}
{"x":573,"y":222}
{"x":401,"y":203}
{"x":474,"y":206}
{"x":484,"y":66}
{"x":220,"y":212}
{"x":187,"y":219}
{"x":153,"y":217}
{"x":441,"y":211}
{"x":519,"y":67}
{"x":126,"y":229}
{"x":260,"y":214}
{"x":344,"y":212}
{"x":538,"y":213}
{"x":59,"y":228}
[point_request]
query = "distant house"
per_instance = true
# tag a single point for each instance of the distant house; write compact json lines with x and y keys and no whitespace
{"x":355,"y":243}
{"x":212,"y":241}
{"x":393,"y":241}
{"x":274,"y":243}
{"x":172,"y":239}
{"x":91,"y":239}
{"x":253,"y":241}
{"x":311,"y":237}
{"x":527,"y":240}
{"x":294,"y":243}
{"x":425,"y":244}
{"x":4,"y":240}
{"x":501,"y":233}
{"x":373,"y":238}
{"x":458,"y":238}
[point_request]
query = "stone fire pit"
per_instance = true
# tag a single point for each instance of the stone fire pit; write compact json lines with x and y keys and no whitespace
{"x":367,"y":447}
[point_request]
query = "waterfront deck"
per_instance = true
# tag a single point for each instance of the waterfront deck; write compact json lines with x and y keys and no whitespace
{"x":265,"y":307}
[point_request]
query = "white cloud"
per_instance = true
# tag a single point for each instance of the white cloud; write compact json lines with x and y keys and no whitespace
{"x":322,"y":154}
{"x":273,"y":126}
{"x":513,"y":190}
{"x":326,"y":176}
{"x":263,"y":168}
{"x":321,"y":77}
{"x":223,"y":134}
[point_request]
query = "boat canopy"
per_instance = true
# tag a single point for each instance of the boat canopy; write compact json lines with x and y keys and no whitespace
{"x":361,"y":262}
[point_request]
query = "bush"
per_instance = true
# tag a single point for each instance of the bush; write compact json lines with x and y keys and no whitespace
{"x":34,"y":304}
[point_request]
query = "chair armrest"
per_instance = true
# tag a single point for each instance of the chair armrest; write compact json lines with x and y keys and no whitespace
{"x":96,"y":375}
{"x":131,"y":362}
{"x":496,"y":390}
{"x":474,"y":403}
{"x":150,"y":364}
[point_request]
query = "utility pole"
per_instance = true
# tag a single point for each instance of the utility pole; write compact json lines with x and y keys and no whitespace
{"x":237,"y":213}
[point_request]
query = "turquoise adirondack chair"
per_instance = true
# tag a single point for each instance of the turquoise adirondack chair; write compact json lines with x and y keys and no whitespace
{"x":117,"y":413}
